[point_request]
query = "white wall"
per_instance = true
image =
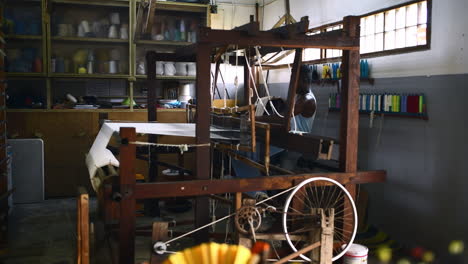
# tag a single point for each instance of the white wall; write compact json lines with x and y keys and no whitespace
{"x":230,"y":16}
{"x":449,"y":51}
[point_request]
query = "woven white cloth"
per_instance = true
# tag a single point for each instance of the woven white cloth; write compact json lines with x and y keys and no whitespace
{"x":99,"y":156}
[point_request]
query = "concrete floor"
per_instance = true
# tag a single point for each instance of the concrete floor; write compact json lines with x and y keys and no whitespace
{"x":45,"y":233}
{"x":42,"y":233}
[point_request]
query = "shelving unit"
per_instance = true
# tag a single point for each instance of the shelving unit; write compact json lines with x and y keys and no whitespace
{"x":49,"y":43}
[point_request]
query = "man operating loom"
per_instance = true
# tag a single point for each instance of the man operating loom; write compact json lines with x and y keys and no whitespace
{"x":302,"y":122}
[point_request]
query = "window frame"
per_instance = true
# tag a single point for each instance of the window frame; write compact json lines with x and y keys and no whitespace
{"x":396,"y":51}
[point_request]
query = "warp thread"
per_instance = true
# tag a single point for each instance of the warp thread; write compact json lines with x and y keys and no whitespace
{"x":182,"y":147}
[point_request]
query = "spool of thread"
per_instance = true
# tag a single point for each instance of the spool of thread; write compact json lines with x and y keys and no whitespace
{"x":59,"y":65}
{"x":90,"y":67}
{"x":114,"y":55}
{"x":96,"y":28}
{"x":114,"y":18}
{"x":52,"y":65}
{"x":181,"y":68}
{"x":191,"y":69}
{"x":113,"y":67}
{"x":169,"y":69}
{"x":37,"y":66}
{"x":185,"y":89}
{"x":81,"y":32}
{"x":62,"y":30}
{"x":159,"y":67}
{"x":124,"y":31}
{"x":86,"y":27}
{"x":112,"y":32}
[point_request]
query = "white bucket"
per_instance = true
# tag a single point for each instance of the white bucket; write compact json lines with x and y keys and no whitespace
{"x":356,"y":254}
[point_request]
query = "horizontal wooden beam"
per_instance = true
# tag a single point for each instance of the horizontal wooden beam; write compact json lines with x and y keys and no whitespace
{"x":207,"y":187}
{"x":328,"y":40}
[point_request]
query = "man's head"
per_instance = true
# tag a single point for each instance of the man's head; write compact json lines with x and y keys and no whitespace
{"x":305,"y":77}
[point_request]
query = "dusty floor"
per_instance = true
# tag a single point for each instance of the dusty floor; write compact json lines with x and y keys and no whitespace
{"x":45,"y":233}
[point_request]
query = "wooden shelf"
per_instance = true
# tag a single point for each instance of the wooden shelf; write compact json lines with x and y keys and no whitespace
{"x":119,"y":96}
{"x":116,"y":3}
{"x":163,"y":42}
{"x":89,"y":76}
{"x":25,"y":74}
{"x":181,"y":6}
{"x":392,"y":114}
{"x":72,"y":110}
{"x":165,"y":77}
{"x":23,"y":37}
{"x":91,"y":110}
{"x":93,"y":40}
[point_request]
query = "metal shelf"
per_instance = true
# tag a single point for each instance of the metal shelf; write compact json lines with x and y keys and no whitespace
{"x":95,"y":40}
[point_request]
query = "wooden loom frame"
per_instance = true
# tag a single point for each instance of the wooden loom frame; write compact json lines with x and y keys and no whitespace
{"x":245,"y":36}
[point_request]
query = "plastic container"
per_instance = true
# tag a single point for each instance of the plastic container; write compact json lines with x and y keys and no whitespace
{"x":356,"y":254}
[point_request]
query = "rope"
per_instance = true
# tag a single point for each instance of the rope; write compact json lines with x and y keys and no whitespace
{"x":265,"y":82}
{"x":226,"y":58}
{"x":182,"y":147}
{"x":236,"y":79}
{"x":255,"y":86}
{"x":224,"y":218}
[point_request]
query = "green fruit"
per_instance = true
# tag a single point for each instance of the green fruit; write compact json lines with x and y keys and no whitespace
{"x":384,"y":254}
{"x":456,"y":247}
{"x":404,"y":261}
{"x":428,"y":256}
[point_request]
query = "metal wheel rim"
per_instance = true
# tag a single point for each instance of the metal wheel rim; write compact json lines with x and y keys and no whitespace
{"x":289,"y":199}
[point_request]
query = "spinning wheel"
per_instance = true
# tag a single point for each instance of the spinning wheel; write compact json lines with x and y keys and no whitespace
{"x":309,"y":205}
{"x":318,"y":211}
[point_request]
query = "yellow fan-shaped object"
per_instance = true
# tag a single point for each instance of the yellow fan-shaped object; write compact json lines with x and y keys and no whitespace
{"x":211,"y":253}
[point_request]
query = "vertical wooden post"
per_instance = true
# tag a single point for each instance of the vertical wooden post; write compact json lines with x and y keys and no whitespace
{"x":151,"y":205}
{"x":202,"y":132}
{"x":295,"y":72}
{"x":326,"y":241}
{"x":127,"y":204}
{"x":82,"y":226}
{"x":247,"y":81}
{"x":160,"y":233}
{"x":349,"y":126}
